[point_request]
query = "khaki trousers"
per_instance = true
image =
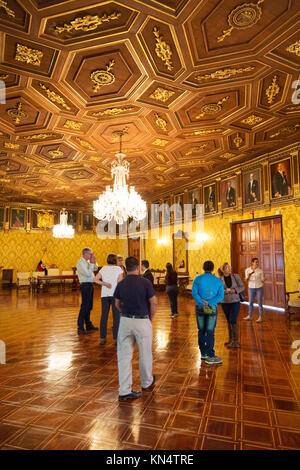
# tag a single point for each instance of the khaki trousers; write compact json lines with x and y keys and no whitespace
{"x":133,"y":330}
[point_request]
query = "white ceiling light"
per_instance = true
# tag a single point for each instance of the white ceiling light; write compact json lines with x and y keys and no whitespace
{"x":120,"y":202}
{"x":63,"y":230}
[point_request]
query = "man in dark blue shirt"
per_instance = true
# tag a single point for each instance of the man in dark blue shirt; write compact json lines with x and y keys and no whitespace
{"x":132,"y":298}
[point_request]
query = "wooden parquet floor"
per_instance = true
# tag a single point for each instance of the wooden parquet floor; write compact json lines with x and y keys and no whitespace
{"x":59,"y":390}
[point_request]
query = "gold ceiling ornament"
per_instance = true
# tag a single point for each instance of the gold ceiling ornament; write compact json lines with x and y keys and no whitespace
{"x":196,"y":149}
{"x":286,"y":130}
{"x":238,"y":140}
{"x":116,"y":134}
{"x":56,"y":153}
{"x":54,"y":97}
{"x":293,"y":109}
{"x":252,"y":120}
{"x":159,"y":168}
{"x":160,"y":157}
{"x":45,"y":219}
{"x":212,"y":108}
{"x":37,"y":136}
{"x":76,"y":126}
{"x":294,"y":48}
{"x":78,"y":175}
{"x":87,"y":23}
{"x":272,"y":90}
{"x":241,"y":17}
{"x":223,"y":74}
{"x":203,"y":132}
{"x":160,"y":122}
{"x":228,"y":155}
{"x":3,"y":77}
{"x":17,"y":113}
{"x":9,"y":12}
{"x":162,"y":49}
{"x":28,"y":55}
{"x":160,"y":94}
{"x":10,"y":145}
{"x":103,"y":77}
{"x":85,"y":144}
{"x":112,"y":111}
{"x":160,"y":142}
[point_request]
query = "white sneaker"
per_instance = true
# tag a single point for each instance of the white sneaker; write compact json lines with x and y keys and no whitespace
{"x":259,"y":320}
{"x":247,"y":318}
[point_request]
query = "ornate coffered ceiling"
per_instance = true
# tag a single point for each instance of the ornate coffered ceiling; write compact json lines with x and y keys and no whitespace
{"x":196,"y":85}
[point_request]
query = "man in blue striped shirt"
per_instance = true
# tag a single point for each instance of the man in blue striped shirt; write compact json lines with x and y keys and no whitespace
{"x":208,"y":291}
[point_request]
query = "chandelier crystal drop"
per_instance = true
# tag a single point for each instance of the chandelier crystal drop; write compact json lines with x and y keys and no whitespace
{"x":120,"y":202}
{"x":63,"y":230}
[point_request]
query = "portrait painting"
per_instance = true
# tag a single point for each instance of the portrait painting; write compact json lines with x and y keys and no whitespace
{"x":166,"y":210}
{"x":72,"y":218}
{"x":281,"y":178}
{"x":17,"y":218}
{"x":252,"y":186}
{"x":209,"y":198}
{"x":178,"y":201}
{"x":155,"y":212}
{"x":87,"y":221}
{"x":228,"y":193}
{"x":193,"y":199}
{"x":1,"y":217}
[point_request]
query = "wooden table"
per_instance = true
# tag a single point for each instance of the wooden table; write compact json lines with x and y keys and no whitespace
{"x":45,"y":280}
{"x":183,"y":280}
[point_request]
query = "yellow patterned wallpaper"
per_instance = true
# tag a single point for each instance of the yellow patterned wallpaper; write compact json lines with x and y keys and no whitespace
{"x":23,"y":251}
{"x":217,"y":246}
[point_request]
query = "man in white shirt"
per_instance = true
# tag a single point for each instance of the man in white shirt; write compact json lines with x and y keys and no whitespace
{"x":85,"y":270}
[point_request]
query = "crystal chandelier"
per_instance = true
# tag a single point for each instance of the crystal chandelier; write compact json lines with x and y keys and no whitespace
{"x":120,"y":202}
{"x":63,"y":230}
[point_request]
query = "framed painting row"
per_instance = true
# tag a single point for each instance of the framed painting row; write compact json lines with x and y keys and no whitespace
{"x":280,"y":184}
{"x":41,"y":219}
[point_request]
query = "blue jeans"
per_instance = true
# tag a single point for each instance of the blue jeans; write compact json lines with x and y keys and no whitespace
{"x":206,"y":332}
{"x":231,"y":312}
{"x":87,"y":294}
{"x":252,"y":293}
{"x":172,"y":292}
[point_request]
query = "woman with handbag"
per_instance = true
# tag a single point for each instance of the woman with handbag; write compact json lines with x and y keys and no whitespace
{"x":233,"y":288}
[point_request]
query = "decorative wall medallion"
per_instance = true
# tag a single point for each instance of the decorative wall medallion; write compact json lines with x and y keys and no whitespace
{"x":17,"y":113}
{"x":28,"y":55}
{"x":238,"y":140}
{"x":85,"y":144}
{"x":160,"y":142}
{"x":162,"y":49}
{"x":56,"y":153}
{"x":212,"y":108}
{"x":160,"y":122}
{"x":112,"y":112}
{"x":197,"y":149}
{"x":243,"y":16}
{"x":10,"y":145}
{"x":160,"y":94}
{"x":223,"y":74}
{"x":286,"y":130}
{"x":294,"y":48}
{"x":272,"y":90}
{"x":103,"y":77}
{"x":9,"y":12}
{"x":76,"y":126}
{"x":54,"y":97}
{"x":252,"y":120}
{"x":87,"y":23}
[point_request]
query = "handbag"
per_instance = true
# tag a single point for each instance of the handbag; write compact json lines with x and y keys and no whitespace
{"x":206,"y":310}
{"x":241,"y":296}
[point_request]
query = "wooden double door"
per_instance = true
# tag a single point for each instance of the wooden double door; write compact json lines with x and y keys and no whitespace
{"x":134,"y":248}
{"x":261,"y":239}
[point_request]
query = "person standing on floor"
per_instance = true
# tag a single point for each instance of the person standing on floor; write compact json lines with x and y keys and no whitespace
{"x":85,"y":271}
{"x":255,"y":277}
{"x":172,"y":289}
{"x":108,"y":277}
{"x":146,"y":273}
{"x":120,"y":263}
{"x":133,"y":296}
{"x":233,"y":286}
{"x":208,"y":291}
